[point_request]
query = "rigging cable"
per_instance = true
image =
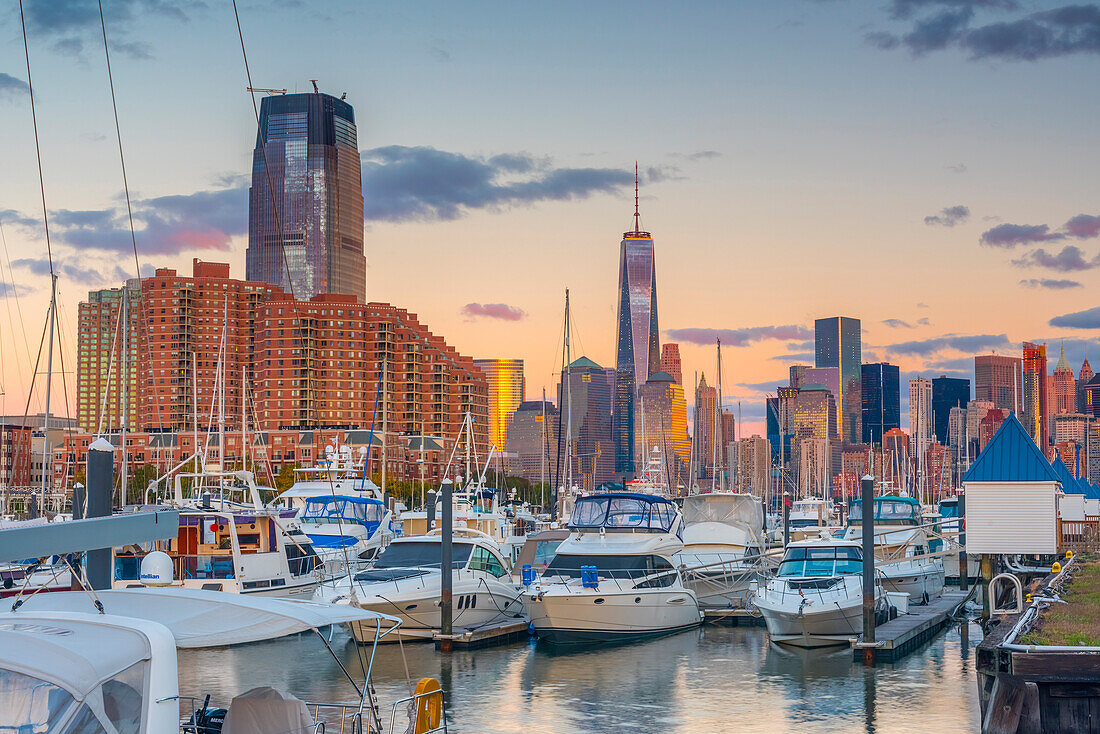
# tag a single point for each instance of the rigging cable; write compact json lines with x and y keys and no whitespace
{"x":142,"y":306}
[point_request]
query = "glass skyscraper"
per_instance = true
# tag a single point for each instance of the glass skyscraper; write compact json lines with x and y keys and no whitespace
{"x":880,"y":393}
{"x":305,"y":206}
{"x":637,"y":346}
{"x":947,"y":393}
{"x":838,"y":343}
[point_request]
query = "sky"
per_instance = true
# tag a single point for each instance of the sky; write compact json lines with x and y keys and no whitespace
{"x":927,"y":166}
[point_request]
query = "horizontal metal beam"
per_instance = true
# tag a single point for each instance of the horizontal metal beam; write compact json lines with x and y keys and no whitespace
{"x":73,"y":536}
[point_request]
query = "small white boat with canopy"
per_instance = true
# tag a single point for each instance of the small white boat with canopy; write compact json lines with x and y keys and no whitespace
{"x":816,"y":598}
{"x":723,"y":546}
{"x":70,"y":668}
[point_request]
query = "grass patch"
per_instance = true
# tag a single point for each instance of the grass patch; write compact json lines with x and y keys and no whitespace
{"x":1077,"y":622}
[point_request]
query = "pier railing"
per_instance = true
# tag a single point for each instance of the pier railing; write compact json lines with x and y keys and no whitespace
{"x":1079,"y":535}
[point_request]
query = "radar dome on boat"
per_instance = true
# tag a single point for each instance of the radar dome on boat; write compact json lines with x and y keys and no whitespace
{"x":156,"y":569}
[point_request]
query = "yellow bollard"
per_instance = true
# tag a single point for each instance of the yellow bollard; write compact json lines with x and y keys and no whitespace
{"x":1069,"y":554}
{"x":1056,"y":568}
{"x":1027,"y":600}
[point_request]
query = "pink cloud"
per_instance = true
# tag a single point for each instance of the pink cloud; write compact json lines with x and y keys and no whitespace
{"x":501,"y":311}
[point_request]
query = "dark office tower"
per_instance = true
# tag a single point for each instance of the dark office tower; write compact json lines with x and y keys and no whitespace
{"x":305,"y":207}
{"x":881,"y":397}
{"x":947,"y":393}
{"x":838,"y":343}
{"x":637,"y":349}
{"x":586,"y":423}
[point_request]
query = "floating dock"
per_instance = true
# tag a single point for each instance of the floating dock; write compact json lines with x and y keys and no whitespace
{"x":732,"y":617}
{"x":485,"y":637}
{"x":900,"y":636}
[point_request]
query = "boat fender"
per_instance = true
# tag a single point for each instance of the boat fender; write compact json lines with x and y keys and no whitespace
{"x":528,"y":574}
{"x":588,"y":577}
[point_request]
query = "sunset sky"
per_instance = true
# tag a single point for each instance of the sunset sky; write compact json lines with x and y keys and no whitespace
{"x":929,"y":167}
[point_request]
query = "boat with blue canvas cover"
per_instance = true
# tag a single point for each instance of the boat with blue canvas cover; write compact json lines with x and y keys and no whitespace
{"x":614,"y":577}
{"x":346,"y":531}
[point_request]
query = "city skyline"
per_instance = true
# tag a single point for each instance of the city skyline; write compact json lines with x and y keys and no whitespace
{"x":963,"y":192}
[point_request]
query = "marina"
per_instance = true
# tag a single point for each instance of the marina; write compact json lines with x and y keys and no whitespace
{"x":241,"y":492}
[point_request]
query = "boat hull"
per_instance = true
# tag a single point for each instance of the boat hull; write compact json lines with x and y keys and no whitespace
{"x":475,"y":605}
{"x":594,"y":615}
{"x":922,"y":582}
{"x":814,"y":628}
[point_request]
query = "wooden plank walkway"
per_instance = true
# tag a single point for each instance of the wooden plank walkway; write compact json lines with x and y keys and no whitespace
{"x":899,"y":637}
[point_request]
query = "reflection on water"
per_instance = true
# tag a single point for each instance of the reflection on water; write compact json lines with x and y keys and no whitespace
{"x":708,"y":680}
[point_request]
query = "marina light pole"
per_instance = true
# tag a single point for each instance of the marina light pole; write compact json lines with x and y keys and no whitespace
{"x":867,"y":506}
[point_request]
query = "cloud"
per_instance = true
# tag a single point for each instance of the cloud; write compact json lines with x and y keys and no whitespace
{"x":12,"y":87}
{"x":1011,"y":235}
{"x":957,"y":342}
{"x":897,"y":324}
{"x":501,"y":311}
{"x":1088,"y":319}
{"x":1050,"y":284}
{"x":699,"y":155}
{"x":956,"y":167}
{"x":794,"y":357}
{"x":1061,"y":31}
{"x":1083,"y":226}
{"x":906,"y":8}
{"x":738,"y":337}
{"x":70,"y":22}
{"x":86,"y":272}
{"x":202,"y":220}
{"x":422,"y":183}
{"x":924,"y":322}
{"x":1070,"y":259}
{"x":762,"y":387}
{"x":949,"y":216}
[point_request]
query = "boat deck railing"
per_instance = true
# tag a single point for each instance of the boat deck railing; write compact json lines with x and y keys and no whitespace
{"x":329,"y":717}
{"x":784,"y":591}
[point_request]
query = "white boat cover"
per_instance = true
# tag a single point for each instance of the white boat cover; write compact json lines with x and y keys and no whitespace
{"x":733,"y":509}
{"x":264,"y":710}
{"x":199,"y":618}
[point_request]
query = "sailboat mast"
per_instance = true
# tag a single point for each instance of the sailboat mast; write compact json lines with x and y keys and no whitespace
{"x":385,"y":419}
{"x":124,"y":374}
{"x":195,"y":403}
{"x":46,"y":463}
{"x":542,"y":454}
{"x":719,"y":482}
{"x":221,"y":387}
{"x":244,"y":418}
{"x":568,"y":401}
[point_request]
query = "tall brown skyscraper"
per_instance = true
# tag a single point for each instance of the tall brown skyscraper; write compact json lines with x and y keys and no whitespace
{"x":996,"y":377}
{"x":670,"y":361}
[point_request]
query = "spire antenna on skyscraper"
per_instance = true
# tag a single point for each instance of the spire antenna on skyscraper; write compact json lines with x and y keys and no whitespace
{"x":637,"y":227}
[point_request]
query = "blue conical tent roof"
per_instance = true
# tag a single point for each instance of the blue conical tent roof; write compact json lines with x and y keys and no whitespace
{"x":1011,"y":456}
{"x":1087,"y":489}
{"x":1069,"y":484}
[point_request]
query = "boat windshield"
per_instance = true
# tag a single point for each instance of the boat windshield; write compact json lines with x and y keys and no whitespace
{"x":340,"y":509}
{"x":949,"y":509}
{"x":623,"y":511}
{"x":811,"y":522}
{"x":620,"y":567}
{"x":895,"y":510}
{"x":843,"y":560}
{"x":422,"y":555}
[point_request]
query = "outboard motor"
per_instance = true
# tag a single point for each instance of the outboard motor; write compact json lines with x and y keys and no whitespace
{"x":207,"y":720}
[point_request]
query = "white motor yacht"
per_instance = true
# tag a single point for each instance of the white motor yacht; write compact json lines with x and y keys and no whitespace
{"x":816,"y":598}
{"x":809,"y":519}
{"x":902,"y":553}
{"x":613,"y":578}
{"x":406,"y":582}
{"x":723,"y":541}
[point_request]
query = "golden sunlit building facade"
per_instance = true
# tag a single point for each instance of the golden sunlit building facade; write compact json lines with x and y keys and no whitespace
{"x":506,"y":391}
